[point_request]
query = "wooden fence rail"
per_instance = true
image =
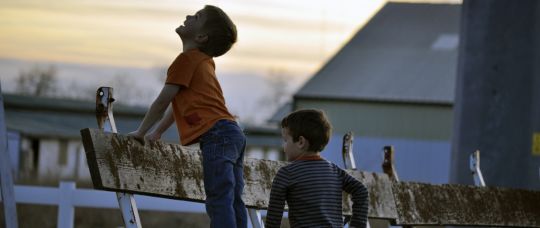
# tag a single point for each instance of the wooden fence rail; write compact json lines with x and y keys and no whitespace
{"x":118,"y":163}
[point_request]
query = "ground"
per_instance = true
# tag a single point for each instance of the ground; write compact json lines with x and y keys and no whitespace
{"x":46,"y":216}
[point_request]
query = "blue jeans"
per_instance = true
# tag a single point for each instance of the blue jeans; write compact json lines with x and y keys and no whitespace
{"x":223,"y":156}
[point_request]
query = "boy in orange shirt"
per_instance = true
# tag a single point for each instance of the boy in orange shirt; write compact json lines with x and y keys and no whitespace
{"x":198,"y":107}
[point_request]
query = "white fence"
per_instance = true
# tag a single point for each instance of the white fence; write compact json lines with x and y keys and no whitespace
{"x":67,"y":197}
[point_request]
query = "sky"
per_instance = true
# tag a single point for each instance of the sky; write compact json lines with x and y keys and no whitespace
{"x":295,"y":36}
{"x":90,"y":41}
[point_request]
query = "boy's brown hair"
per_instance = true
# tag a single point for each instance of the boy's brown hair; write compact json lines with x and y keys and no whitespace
{"x":312,"y":124}
{"x":221,"y":32}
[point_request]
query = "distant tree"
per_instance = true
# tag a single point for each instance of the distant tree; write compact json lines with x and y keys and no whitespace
{"x":127,"y":91}
{"x":78,"y":91}
{"x":38,"y":81}
{"x":279,"y":89}
{"x":279,"y":93}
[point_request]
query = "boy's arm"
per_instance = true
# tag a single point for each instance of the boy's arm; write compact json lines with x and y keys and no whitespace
{"x":166,"y":121}
{"x":278,"y":196}
{"x":360,"y":199}
{"x":156,"y":110}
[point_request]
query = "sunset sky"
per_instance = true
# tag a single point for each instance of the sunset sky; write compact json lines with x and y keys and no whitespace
{"x":292,"y":36}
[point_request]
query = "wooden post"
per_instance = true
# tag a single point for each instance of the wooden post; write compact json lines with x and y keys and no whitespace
{"x":388,"y":163}
{"x":105,"y":119}
{"x":6,"y":175}
{"x":389,"y":168}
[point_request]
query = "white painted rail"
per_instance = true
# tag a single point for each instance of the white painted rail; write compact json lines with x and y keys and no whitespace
{"x":66,"y":196}
{"x":96,"y":199}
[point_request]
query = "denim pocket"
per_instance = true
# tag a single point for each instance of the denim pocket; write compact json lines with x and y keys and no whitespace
{"x":220,"y":148}
{"x":225,"y":140}
{"x":230,"y":150}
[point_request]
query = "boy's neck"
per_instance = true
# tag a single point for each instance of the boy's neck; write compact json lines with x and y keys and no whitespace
{"x":188,"y":45}
{"x":186,"y":49}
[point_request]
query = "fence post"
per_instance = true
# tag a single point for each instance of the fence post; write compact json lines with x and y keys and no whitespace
{"x":6,"y":175}
{"x":474,"y":166}
{"x":347,"y":151}
{"x":388,"y":163}
{"x":105,"y":119}
{"x":66,"y":210}
{"x":255,"y":217}
{"x":389,"y":168}
{"x":350,"y":163}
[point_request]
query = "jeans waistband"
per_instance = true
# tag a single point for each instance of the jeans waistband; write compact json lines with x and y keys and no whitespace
{"x":224,"y":121}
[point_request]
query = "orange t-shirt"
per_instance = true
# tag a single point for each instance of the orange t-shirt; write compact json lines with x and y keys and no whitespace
{"x":200,"y":102}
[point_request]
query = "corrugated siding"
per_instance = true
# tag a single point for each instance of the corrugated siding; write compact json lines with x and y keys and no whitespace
{"x":386,"y":120}
{"x":415,"y":160}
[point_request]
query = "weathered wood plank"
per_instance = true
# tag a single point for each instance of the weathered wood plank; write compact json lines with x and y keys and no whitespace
{"x":118,"y":163}
{"x":426,"y":204}
{"x":381,"y":199}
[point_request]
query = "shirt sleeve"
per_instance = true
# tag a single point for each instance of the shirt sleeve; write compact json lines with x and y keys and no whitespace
{"x":360,"y":199}
{"x":278,"y":196}
{"x":181,"y":71}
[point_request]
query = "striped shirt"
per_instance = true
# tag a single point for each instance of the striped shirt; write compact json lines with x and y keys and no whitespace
{"x":313,"y":189}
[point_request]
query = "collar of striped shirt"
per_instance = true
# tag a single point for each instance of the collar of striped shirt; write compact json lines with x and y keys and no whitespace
{"x":309,"y":158}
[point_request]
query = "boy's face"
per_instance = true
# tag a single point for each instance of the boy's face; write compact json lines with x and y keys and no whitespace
{"x":292,"y":149}
{"x":193,"y":26}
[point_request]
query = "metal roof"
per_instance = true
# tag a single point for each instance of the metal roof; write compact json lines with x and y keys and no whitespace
{"x":43,"y":117}
{"x":64,"y":118}
{"x":406,"y":53}
{"x":280,"y":113}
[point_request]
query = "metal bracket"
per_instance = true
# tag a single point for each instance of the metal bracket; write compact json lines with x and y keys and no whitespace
{"x":347,"y":151}
{"x":349,"y":163}
{"x":256,"y":218}
{"x":474,"y":166}
{"x":105,"y":119}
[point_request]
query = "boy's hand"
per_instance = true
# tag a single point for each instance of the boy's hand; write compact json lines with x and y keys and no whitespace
{"x":153,"y":136}
{"x":137,"y":136}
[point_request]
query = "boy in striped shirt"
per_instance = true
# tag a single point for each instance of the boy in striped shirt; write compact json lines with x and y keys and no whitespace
{"x":312,"y":186}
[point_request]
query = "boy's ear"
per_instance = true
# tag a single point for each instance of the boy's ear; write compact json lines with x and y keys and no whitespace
{"x":303,"y":143}
{"x":201,"y":38}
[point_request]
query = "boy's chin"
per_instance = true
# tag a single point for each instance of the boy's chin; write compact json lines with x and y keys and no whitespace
{"x":179,"y":30}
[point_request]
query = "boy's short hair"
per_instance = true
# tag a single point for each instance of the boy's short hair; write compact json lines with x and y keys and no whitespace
{"x":221,"y":32}
{"x":312,"y":124}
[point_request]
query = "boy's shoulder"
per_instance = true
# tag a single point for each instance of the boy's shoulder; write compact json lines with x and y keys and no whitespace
{"x":191,"y":58}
